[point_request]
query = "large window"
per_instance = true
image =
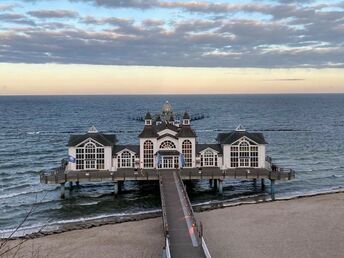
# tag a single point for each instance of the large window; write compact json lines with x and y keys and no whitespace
{"x":254,"y":156}
{"x":80,"y":158}
{"x":126,"y":159}
{"x":187,"y":152}
{"x":234,"y":157}
{"x":167,"y":145}
{"x":208,"y":159}
{"x":90,"y":156}
{"x":148,"y":154}
{"x":244,"y":155}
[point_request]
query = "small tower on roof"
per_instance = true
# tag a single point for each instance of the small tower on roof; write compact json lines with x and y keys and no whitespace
{"x":158,"y":120}
{"x":186,"y":119}
{"x":167,"y":111}
{"x":240,"y":128}
{"x":92,"y":129}
{"x":148,"y":119}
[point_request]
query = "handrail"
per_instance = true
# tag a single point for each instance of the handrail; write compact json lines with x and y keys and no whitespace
{"x":163,"y":208}
{"x":194,"y":222}
{"x":167,"y":247}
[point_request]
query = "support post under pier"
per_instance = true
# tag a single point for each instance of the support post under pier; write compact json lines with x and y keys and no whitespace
{"x":255,"y":182}
{"x":272,"y":189}
{"x":62,"y":194}
{"x":77,"y":184}
{"x":211,"y":183}
{"x":263,"y":184}
{"x":215,"y":184}
{"x":70,"y":185}
{"x":220,"y":186}
{"x":116,"y":188}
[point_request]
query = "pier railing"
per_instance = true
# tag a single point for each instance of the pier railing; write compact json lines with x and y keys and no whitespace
{"x":167,"y":250}
{"x":163,"y":207}
{"x":198,"y":229}
{"x":186,"y":197}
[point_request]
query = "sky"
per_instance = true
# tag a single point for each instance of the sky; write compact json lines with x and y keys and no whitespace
{"x":171,"y":47}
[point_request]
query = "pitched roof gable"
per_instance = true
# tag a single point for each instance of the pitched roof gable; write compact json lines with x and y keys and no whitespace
{"x":229,"y":138}
{"x":104,"y":139}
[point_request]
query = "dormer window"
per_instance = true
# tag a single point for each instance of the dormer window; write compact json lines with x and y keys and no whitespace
{"x":148,"y":122}
{"x":186,"y":122}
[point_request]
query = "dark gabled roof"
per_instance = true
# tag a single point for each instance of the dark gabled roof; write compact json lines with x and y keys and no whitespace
{"x":171,"y":119}
{"x":164,"y":126}
{"x":148,"y":116}
{"x":229,"y":138}
{"x":167,"y":135}
{"x":158,"y":118}
{"x":148,"y":131}
{"x":201,"y":147}
{"x":186,"y":131}
{"x":133,"y":148}
{"x":104,"y":139}
{"x":168,"y":152}
{"x":186,"y":115}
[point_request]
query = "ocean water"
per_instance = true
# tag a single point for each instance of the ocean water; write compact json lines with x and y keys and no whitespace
{"x":305,"y":132}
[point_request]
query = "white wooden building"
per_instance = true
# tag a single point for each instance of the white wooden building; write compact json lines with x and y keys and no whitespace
{"x":164,"y":144}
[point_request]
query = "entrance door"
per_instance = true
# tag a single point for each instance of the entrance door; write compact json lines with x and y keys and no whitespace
{"x":244,"y":162}
{"x":167,"y":162}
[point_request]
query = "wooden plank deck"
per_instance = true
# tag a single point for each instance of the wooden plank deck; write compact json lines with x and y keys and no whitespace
{"x":179,"y":221}
{"x":60,"y":175}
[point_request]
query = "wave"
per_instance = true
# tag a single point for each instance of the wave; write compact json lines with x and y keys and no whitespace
{"x":33,"y":133}
{"x":12,"y":195}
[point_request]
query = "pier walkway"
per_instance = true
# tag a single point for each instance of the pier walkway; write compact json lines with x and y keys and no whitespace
{"x":183,"y":238}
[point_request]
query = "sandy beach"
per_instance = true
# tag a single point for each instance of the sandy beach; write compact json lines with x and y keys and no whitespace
{"x":305,"y":227}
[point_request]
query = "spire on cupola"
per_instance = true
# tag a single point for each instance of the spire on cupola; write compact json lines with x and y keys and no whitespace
{"x":92,"y":129}
{"x":186,"y":119}
{"x":148,"y":119}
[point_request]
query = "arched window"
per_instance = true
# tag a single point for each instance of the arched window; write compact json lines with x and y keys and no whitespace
{"x":245,"y":154}
{"x":208,"y":159}
{"x":244,"y":149}
{"x":187,"y":152}
{"x":167,"y":145}
{"x":148,"y":154}
{"x":90,"y":156}
{"x":126,"y":159}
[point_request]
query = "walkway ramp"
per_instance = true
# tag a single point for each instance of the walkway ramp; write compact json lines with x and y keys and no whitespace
{"x":180,"y":225}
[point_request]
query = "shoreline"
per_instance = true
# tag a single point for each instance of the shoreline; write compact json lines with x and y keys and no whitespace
{"x":299,"y":227}
{"x":198,"y":208}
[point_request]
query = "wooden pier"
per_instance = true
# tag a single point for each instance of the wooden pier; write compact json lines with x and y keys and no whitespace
{"x":182,"y":235}
{"x":62,"y":176}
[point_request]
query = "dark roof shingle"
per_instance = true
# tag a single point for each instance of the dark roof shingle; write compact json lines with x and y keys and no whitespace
{"x":229,"y":138}
{"x":148,"y":131}
{"x":104,"y":139}
{"x":201,"y":147}
{"x":186,"y":131}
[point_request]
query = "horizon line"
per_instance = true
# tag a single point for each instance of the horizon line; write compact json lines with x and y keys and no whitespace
{"x":172,"y":94}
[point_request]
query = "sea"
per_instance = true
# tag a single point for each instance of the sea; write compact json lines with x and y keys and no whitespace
{"x":305,"y":132}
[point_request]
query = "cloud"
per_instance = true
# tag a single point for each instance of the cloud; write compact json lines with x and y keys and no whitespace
{"x":286,"y":79}
{"x":7,"y":7}
{"x":16,"y":18}
{"x":53,"y":14}
{"x":293,"y":35}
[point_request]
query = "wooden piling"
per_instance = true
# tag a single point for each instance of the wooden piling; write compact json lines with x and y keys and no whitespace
{"x":62,"y":189}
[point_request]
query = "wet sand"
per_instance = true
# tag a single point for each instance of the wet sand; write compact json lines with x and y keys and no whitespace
{"x":305,"y":227}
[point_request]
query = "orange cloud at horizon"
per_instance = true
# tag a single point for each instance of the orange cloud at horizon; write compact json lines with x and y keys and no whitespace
{"x":51,"y":79}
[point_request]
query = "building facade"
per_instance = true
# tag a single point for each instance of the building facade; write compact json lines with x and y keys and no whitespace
{"x":166,"y":144}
